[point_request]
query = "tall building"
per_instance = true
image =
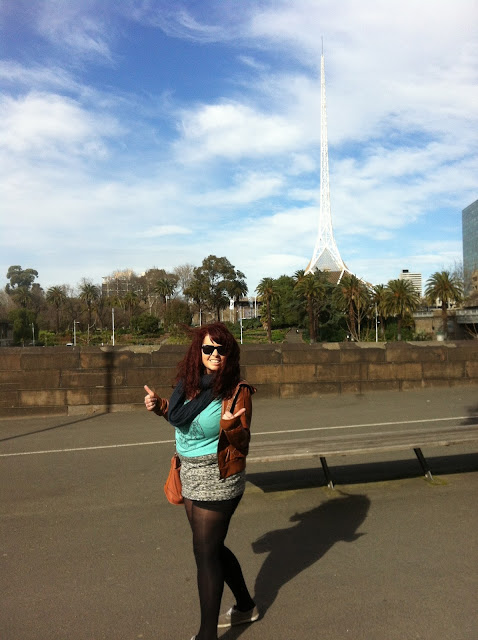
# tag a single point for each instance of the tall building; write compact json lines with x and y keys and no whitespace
{"x":470,"y":243}
{"x":415,"y":279}
{"x":326,"y":256}
{"x":120,"y":283}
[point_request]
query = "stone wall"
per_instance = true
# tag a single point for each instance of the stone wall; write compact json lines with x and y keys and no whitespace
{"x":81,"y":380}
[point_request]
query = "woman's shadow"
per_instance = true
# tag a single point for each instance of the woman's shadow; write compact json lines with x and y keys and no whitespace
{"x":296,"y":548}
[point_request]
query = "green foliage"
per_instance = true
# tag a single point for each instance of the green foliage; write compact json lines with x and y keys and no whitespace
{"x":332,"y":325}
{"x":446,"y":288}
{"x":146,"y":324}
{"x":176,"y":313}
{"x":266,"y":291}
{"x":314,"y":292}
{"x":47,"y":338}
{"x":422,"y":336}
{"x":251,"y":323}
{"x":259,"y":336}
{"x":179,"y":335}
{"x":406,"y":330}
{"x":214,"y":283}
{"x":401,"y":300}
{"x":22,"y":320}
{"x":165,"y":288}
{"x":20,"y":277}
{"x":285,"y":309}
{"x":352,"y":296}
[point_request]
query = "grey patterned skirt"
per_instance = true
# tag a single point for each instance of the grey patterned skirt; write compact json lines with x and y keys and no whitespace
{"x":201,"y":480}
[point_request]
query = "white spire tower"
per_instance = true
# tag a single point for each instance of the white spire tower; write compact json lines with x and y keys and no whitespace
{"x":326,"y":254}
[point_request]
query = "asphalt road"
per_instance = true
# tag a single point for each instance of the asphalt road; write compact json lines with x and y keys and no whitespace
{"x":91,"y":549}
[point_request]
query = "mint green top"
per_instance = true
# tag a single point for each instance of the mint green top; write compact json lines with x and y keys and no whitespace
{"x":201,"y":437}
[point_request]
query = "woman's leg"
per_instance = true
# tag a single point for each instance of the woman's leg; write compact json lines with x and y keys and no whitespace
{"x":215,"y":563}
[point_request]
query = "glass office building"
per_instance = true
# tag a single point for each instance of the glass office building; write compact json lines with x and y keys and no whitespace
{"x":470,"y":243}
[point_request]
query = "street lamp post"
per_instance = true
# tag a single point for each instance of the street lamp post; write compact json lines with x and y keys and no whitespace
{"x":113,"y":323}
{"x":75,"y":322}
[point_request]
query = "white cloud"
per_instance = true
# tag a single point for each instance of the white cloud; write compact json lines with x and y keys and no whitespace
{"x":45,"y":123}
{"x":233,"y":131}
{"x":77,"y":27}
{"x":160,"y":231}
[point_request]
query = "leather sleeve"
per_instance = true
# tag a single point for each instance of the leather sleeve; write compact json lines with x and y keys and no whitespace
{"x":162,"y":407}
{"x":237,"y":430}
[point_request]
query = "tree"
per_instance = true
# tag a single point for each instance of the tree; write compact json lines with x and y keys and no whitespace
{"x":22,"y":296}
{"x":379,"y":296}
{"x":266,"y":291}
{"x":401,"y":299}
{"x":197,"y":291}
{"x":446,"y":287}
{"x":89,"y":293}
{"x":20,"y":278}
{"x":311,"y":288}
{"x":184,"y":274}
{"x":165,"y":288}
{"x":217,"y":279}
{"x":24,"y":325}
{"x":286,"y":308}
{"x":177,"y":314}
{"x":238,"y":287}
{"x":352,"y":296}
{"x":56,"y":296}
{"x":130,"y":302}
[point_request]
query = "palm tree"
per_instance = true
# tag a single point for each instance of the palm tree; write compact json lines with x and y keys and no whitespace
{"x":379,"y":295}
{"x":446,"y":287}
{"x":89,"y":293}
{"x":266,"y":291}
{"x":401,"y":299}
{"x":197,"y":291}
{"x":312,"y":288}
{"x":130,"y":303}
{"x":165,"y":288}
{"x":352,"y":296}
{"x":237,"y":288}
{"x":57,"y":297}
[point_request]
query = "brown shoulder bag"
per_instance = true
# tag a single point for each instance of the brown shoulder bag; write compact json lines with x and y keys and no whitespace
{"x":173,"y":487}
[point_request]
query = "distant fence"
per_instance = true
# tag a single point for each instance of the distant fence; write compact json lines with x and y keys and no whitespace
{"x":82,"y":380}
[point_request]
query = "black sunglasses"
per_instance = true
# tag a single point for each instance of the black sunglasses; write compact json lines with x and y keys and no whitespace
{"x":208,"y":349}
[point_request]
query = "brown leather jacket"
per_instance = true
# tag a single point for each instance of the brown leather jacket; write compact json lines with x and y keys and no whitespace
{"x":234,"y":435}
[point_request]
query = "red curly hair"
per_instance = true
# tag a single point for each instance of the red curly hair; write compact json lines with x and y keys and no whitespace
{"x":191,"y":368}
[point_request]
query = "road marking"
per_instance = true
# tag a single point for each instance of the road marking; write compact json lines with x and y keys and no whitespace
{"x":255,"y":433}
{"x":103,"y":446}
{"x":367,"y":424}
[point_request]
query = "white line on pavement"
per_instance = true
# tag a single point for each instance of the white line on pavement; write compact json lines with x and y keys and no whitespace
{"x":255,"y":433}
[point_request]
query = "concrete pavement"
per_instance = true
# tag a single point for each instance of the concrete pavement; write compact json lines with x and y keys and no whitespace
{"x":92,"y":550}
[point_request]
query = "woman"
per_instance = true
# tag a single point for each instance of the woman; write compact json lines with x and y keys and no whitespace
{"x":211,"y":411}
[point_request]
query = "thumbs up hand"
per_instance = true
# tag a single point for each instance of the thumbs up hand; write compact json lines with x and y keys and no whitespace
{"x":230,"y":416}
{"x":151,"y":399}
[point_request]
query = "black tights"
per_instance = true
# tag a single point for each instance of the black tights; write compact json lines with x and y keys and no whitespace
{"x":215,"y":563}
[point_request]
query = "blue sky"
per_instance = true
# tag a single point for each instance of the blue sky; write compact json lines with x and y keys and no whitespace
{"x":151,"y":133}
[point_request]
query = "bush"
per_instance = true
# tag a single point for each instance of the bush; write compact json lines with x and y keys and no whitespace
{"x":146,"y":324}
{"x":251,"y":323}
{"x":47,"y":338}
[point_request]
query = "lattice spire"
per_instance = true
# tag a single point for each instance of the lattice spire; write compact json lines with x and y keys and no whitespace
{"x":326,"y":255}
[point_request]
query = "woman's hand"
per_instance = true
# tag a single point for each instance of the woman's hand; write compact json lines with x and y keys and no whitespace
{"x":151,"y":400}
{"x":230,"y":416}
